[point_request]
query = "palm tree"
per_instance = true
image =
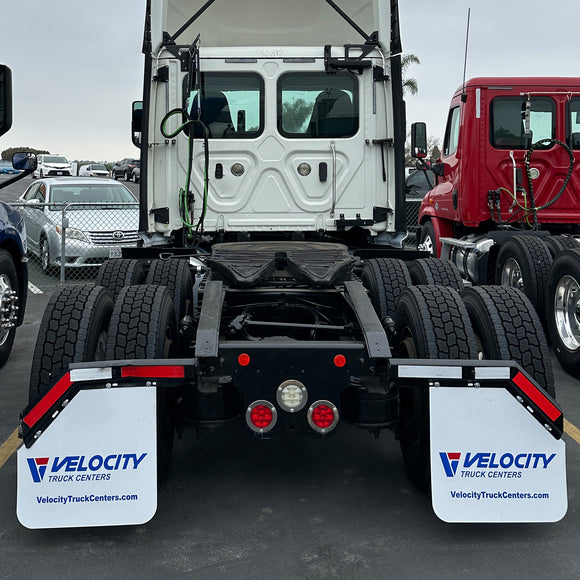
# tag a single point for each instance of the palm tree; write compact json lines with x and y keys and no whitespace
{"x":409,"y":84}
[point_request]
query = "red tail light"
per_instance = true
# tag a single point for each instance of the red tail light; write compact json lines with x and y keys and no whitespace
{"x":323,"y":416}
{"x":261,"y":416}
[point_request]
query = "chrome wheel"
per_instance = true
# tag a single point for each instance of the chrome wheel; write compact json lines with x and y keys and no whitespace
{"x":8,"y":308}
{"x":567,"y":312}
{"x":511,"y":274}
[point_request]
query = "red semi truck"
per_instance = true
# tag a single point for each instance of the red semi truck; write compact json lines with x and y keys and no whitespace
{"x":506,"y":204}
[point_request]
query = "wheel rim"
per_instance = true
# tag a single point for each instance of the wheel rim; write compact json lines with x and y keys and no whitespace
{"x":428,"y":245}
{"x":8,"y":308}
{"x":567,"y":312}
{"x":45,"y":256}
{"x":511,"y":274}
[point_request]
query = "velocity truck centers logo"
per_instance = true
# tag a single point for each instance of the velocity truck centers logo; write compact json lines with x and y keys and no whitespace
{"x":493,"y":465}
{"x":82,"y":468}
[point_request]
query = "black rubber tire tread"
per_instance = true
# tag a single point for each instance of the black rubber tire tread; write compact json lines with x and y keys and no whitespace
{"x":509,"y":328}
{"x":176,"y":275}
{"x":558,"y":244}
{"x":116,"y":273}
{"x":385,"y":278}
{"x":8,"y":269}
{"x":69,"y":332}
{"x":436,"y":321}
{"x":566,"y":264}
{"x":535,"y":262}
{"x":141,"y":319}
{"x":429,"y":271}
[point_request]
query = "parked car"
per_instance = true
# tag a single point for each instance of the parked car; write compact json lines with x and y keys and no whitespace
{"x":124,"y":168}
{"x":136,"y":174}
{"x":94,"y":170}
{"x":52,"y":166}
{"x":92,"y":231}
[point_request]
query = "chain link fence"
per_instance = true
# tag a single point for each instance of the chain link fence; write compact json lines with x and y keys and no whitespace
{"x":68,"y":242}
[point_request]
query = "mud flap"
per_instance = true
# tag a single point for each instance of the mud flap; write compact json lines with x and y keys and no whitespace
{"x":95,"y":464}
{"x":492,"y":460}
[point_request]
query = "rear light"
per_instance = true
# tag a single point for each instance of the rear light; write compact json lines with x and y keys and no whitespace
{"x":339,"y":361}
{"x":244,"y":359}
{"x":291,"y":396}
{"x":323,"y":416}
{"x":261,"y":416}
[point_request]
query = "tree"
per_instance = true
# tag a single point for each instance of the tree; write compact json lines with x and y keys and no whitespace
{"x":294,"y":115}
{"x":7,"y":153}
{"x":433,"y":151}
{"x":409,"y":84}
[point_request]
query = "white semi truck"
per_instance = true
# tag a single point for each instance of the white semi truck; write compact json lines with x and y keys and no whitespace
{"x":272,"y":287}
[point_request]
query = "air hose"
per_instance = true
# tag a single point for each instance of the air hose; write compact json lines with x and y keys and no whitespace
{"x":542,"y":143}
{"x":186,"y":213}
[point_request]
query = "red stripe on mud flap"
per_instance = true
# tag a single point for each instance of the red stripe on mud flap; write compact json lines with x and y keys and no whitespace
{"x":46,"y":403}
{"x":529,"y":389}
{"x":154,"y":372}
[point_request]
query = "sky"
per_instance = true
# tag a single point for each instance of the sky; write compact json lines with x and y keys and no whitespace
{"x":77,"y":65}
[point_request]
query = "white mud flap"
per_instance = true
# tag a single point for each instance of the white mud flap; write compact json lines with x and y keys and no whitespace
{"x":95,"y":465}
{"x":492,"y":460}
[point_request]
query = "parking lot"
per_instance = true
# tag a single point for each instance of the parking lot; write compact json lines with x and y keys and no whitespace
{"x":236,"y":507}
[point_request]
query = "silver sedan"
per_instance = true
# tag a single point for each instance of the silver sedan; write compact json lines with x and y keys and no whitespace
{"x":100,"y":215}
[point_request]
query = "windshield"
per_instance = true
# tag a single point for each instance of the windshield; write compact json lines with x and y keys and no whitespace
{"x":55,"y":159}
{"x":114,"y":193}
{"x":317,"y":105}
{"x":98,"y":167}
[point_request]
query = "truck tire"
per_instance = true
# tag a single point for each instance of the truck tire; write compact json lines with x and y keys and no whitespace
{"x":116,"y":273}
{"x":558,"y":244}
{"x":427,"y":271}
{"x":563,"y":310}
{"x":432,"y":322}
{"x":143,"y":326}
{"x":8,"y":304}
{"x":507,"y":327}
{"x":73,"y":329}
{"x":175,"y":274}
{"x":385,"y":279}
{"x":524,"y":262}
{"x":428,"y":241}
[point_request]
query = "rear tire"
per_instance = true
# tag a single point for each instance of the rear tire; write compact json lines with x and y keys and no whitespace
{"x":558,"y":244}
{"x":116,"y":273}
{"x":143,"y":326}
{"x":524,"y":263}
{"x":8,"y":304}
{"x":432,"y":322}
{"x":385,"y":278}
{"x":73,"y":329}
{"x":428,"y":271}
{"x":563,"y":310}
{"x":507,"y":327}
{"x":175,"y":274}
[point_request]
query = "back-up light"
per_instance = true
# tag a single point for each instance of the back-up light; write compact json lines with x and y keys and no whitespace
{"x":261,"y":416}
{"x":323,"y":416}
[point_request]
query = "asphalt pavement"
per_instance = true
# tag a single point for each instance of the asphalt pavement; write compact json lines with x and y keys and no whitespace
{"x":240,"y":508}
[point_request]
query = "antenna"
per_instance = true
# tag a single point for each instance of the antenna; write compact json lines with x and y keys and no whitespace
{"x":463,"y":96}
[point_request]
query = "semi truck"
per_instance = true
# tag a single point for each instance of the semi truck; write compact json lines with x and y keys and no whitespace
{"x":13,"y":268}
{"x":272,"y":288}
{"x":506,"y":205}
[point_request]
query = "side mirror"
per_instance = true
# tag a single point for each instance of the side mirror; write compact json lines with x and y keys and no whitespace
{"x":5,"y":99}
{"x":419,"y":140}
{"x":137,"y":123}
{"x":24,"y":161}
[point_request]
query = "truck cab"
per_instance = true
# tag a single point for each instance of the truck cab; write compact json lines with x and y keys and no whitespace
{"x":507,"y":160}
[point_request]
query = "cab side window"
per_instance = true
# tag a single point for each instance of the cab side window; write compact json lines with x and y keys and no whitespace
{"x":452,"y":132}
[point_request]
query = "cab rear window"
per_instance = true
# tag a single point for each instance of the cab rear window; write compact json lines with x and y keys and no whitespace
{"x":508,"y":123}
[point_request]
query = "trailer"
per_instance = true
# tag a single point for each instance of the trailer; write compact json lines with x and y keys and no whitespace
{"x":272,"y":288}
{"x":506,"y":205}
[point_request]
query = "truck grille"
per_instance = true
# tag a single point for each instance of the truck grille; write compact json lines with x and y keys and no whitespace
{"x":114,"y":238}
